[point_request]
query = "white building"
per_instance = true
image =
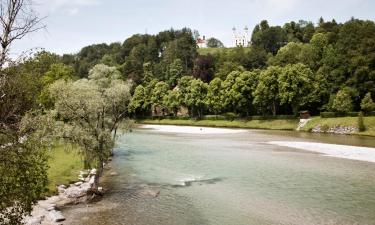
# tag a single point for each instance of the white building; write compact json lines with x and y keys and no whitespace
{"x":241,"y":39}
{"x":202,"y":42}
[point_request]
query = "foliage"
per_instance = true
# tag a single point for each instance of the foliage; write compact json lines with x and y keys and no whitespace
{"x":296,"y":86}
{"x":266,"y":94}
{"x":214,"y":43}
{"x":214,"y":96}
{"x":342,"y":102}
{"x":89,"y":110}
{"x":361,"y":125}
{"x":367,"y":104}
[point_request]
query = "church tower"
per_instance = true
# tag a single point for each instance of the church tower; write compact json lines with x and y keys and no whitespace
{"x":241,"y":39}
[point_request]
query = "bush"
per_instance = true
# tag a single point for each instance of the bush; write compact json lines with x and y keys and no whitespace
{"x":327,"y":114}
{"x":342,"y":102}
{"x":361,"y":125}
{"x":367,"y":104}
{"x":214,"y":117}
{"x":230,"y":116}
{"x":352,"y":114}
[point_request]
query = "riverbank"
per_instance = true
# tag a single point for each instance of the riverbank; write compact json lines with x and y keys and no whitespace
{"x":277,"y":124}
{"x":341,"y":125}
{"x":318,"y":124}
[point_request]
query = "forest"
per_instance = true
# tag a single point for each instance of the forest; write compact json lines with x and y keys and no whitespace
{"x":298,"y":66}
{"x":83,"y":99}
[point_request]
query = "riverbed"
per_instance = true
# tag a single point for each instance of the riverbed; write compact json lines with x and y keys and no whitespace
{"x":232,"y":177}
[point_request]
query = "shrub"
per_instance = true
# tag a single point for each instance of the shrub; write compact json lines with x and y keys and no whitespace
{"x":352,"y":114}
{"x":327,"y":114}
{"x":342,"y":102}
{"x":367,"y":104}
{"x":361,"y":125}
{"x":230,"y":116}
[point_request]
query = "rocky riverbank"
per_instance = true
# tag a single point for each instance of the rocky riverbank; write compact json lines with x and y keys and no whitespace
{"x":46,"y":212}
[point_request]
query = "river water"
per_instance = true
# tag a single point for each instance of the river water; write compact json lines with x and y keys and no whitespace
{"x":231,"y":179}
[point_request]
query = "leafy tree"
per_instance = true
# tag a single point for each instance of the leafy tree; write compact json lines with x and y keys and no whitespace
{"x":227,"y":98}
{"x":174,"y":72}
{"x":213,"y":98}
{"x":226,"y":68}
{"x":296,"y":86}
{"x":214,"y":43}
{"x":268,"y":38}
{"x":172,"y":100}
{"x":241,"y":92}
{"x":147,"y":73}
{"x":56,"y":72}
{"x":204,"y":68}
{"x":342,"y":102}
{"x":137,"y":104}
{"x":90,"y":111}
{"x":266,"y":94}
{"x":160,"y":90}
{"x":195,"y":97}
{"x":367,"y":104}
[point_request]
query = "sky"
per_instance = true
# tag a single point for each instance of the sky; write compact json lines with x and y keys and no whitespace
{"x":73,"y":24}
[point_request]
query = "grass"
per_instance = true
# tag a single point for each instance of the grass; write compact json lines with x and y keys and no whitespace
{"x":214,"y":51}
{"x":277,"y":124}
{"x":343,"y":121}
{"x":64,"y":167}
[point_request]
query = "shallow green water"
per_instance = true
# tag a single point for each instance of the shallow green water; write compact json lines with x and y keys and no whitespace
{"x":231,"y":179}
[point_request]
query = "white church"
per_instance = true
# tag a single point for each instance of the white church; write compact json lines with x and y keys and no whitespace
{"x":241,"y":38}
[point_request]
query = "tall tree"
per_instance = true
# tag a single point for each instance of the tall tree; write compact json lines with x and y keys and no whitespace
{"x":266,"y":94}
{"x":296,"y":86}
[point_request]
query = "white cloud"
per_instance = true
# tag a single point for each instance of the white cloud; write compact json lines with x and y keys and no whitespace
{"x":70,"y":7}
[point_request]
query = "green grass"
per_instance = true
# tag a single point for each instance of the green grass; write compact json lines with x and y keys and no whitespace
{"x":342,"y":121}
{"x":214,"y":51}
{"x":276,"y":124}
{"x":64,"y":167}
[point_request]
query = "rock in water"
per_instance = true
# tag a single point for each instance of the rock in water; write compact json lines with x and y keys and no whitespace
{"x":75,"y":192}
{"x":56,"y":216}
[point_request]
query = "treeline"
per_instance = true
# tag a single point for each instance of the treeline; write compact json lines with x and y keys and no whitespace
{"x":300,"y":65}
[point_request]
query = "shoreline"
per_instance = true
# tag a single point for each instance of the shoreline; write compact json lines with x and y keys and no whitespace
{"x":334,"y":125}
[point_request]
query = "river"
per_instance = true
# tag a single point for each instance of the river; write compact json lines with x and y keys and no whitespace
{"x":158,"y":178}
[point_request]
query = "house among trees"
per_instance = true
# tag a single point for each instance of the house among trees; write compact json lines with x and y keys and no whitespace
{"x":202,"y":42}
{"x":241,"y":39}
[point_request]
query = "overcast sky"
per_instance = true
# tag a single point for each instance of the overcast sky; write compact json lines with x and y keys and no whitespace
{"x":73,"y":24}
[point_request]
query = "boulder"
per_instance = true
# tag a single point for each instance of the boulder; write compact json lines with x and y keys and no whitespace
{"x":78,"y":183}
{"x":93,"y":172}
{"x":34,"y":220}
{"x":56,"y":216}
{"x":75,"y":192}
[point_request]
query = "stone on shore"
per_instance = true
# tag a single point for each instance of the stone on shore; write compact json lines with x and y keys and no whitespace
{"x":56,"y":216}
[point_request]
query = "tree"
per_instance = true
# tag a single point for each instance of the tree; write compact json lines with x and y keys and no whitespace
{"x":23,"y":166}
{"x":195,"y":97}
{"x":296,"y":86}
{"x":56,"y":72}
{"x":18,"y":19}
{"x":214,"y":43}
{"x":342,"y":102}
{"x":213,"y":98}
{"x":266,"y":94}
{"x":204,"y":68}
{"x":137,"y":103}
{"x":158,"y":93}
{"x":367,"y":104}
{"x":174,"y":72}
{"x":172,"y":100}
{"x":90,"y":110}
{"x":268,"y":38}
